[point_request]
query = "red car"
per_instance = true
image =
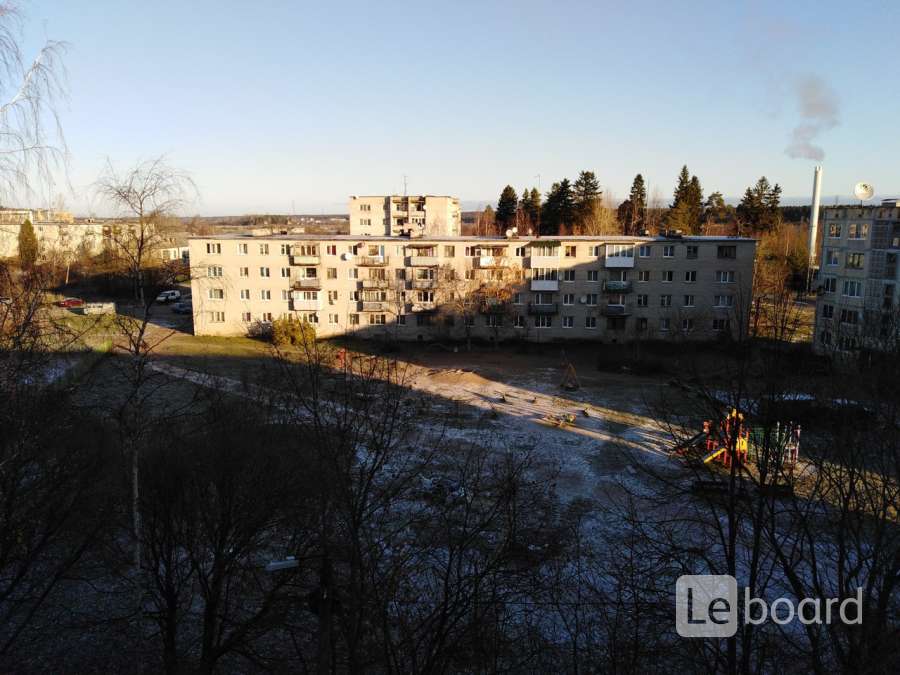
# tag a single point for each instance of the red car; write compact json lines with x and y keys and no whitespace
{"x":70,"y":302}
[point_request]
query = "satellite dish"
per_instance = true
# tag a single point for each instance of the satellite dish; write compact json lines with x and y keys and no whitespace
{"x":582,"y":299}
{"x":864,"y":191}
{"x":346,"y":256}
{"x":509,"y":233}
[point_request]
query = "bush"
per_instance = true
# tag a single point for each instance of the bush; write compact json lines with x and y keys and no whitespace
{"x":293,"y":332}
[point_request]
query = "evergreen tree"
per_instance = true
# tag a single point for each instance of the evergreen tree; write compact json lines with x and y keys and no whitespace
{"x":717,"y":211}
{"x":28,"y":246}
{"x":506,"y":208}
{"x":759,"y":207}
{"x":637,"y":209}
{"x":533,"y":209}
{"x":686,"y":210}
{"x":586,"y":192}
{"x":695,"y":205}
{"x":625,"y":215}
{"x":559,"y":211}
{"x":681,"y":188}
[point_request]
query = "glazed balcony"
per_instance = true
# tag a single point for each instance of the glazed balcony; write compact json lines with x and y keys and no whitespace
{"x":615,"y":286}
{"x":302,"y":283}
{"x":543,"y":309}
{"x":371,"y":260}
{"x":305,"y":259}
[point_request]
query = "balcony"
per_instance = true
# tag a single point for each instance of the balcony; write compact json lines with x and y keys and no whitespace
{"x":551,"y":285}
{"x":493,"y":306}
{"x":487,"y":262}
{"x":371,"y":260}
{"x":549,"y":261}
{"x":615,"y":310}
{"x":422,"y":261}
{"x":306,"y":305}
{"x":613,"y":286}
{"x":312,"y":283}
{"x":424,"y":307}
{"x":305,"y":260}
{"x":372,"y":306}
{"x":550,"y":308}
{"x":424,"y":284}
{"x":375,"y":283}
{"x":619,"y":261}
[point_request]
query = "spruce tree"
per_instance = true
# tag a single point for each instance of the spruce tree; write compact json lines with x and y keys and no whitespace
{"x":506,"y":208}
{"x":28,"y":246}
{"x":637,"y":210}
{"x":586,"y":191}
{"x":695,"y":205}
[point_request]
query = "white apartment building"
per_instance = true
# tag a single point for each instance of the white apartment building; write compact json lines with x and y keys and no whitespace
{"x":857,"y":304}
{"x":416,"y":216}
{"x":54,"y":237}
{"x":556,"y":288}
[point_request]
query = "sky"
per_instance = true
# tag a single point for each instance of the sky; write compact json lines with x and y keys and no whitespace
{"x":293,"y":106}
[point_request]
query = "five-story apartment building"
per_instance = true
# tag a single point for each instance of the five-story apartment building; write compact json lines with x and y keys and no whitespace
{"x":537,"y":288}
{"x":857,"y":304}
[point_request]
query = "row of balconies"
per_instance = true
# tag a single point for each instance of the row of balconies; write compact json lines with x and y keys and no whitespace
{"x":482,"y":262}
{"x":313,"y":283}
{"x":486,"y":308}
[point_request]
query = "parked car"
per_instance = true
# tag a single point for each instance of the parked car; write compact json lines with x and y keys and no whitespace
{"x":70,"y":302}
{"x":169,"y":296}
{"x":182,"y":308}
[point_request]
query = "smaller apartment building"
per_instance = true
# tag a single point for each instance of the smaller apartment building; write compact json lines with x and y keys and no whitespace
{"x":857,"y":304}
{"x":612,"y":288}
{"x":394,"y":216}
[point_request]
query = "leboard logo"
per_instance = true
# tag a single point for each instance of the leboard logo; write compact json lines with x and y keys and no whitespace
{"x":706,"y":605}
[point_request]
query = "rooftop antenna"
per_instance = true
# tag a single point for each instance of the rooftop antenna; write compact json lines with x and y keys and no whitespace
{"x":404,"y":185}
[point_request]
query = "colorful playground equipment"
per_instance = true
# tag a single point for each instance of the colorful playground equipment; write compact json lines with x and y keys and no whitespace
{"x":733,"y":439}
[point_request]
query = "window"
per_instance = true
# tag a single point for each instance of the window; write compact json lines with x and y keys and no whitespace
{"x":831,"y":257}
{"x":834,"y":231}
{"x":850,"y":316}
{"x":592,"y":299}
{"x":643,"y":275}
{"x":644,"y":251}
{"x":519,"y":321}
{"x":331,"y":249}
{"x":724,"y":301}
{"x":595,"y":250}
{"x":264,"y":271}
{"x":668,"y":251}
{"x":664,"y":324}
{"x":285,"y":295}
{"x":827,"y":311}
{"x":331,"y":272}
{"x":852,"y":289}
{"x":568,"y":275}
{"x":285,"y":249}
{"x":729,"y":252}
{"x":401,"y":319}
{"x":687,"y":325}
{"x":214,"y":271}
{"x":570,"y":251}
{"x":332,"y":297}
{"x":568,"y":322}
{"x":543,"y":322}
{"x":720,"y":324}
{"x":725,"y":276}
{"x":855,"y":261}
{"x":217,"y":317}
{"x":266,"y":316}
{"x":354,"y":319}
{"x":245,"y":294}
{"x":619,"y":250}
{"x":216,"y":294}
{"x":265,"y":294}
{"x":665,"y":301}
{"x":214,"y":249}
{"x":858,"y":231}
{"x":826,"y":337}
{"x":517,"y":299}
{"x":264,"y":249}
{"x":424,"y":296}
{"x":668,"y":276}
{"x":689,"y":301}
{"x":400,"y":274}
{"x":642,"y":300}
{"x":590,"y":322}
{"x":242,"y":249}
{"x":642,"y":323}
{"x":285,"y":272}
{"x":543,"y":298}
{"x":244,"y":271}
{"x":520,"y":251}
{"x":593,"y":275}
{"x":830,"y":285}
{"x":692,"y":252}
{"x":690,"y":276}
{"x":544,"y":249}
{"x":353,"y":273}
{"x":376,"y":319}
{"x":449,"y":251}
{"x":245,"y":317}
{"x":569,"y":299}
{"x":544,"y":274}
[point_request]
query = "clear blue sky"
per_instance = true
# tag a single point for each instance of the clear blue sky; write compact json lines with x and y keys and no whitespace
{"x":266,"y":103}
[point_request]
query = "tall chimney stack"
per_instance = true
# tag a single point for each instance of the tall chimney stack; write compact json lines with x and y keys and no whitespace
{"x":814,"y":216}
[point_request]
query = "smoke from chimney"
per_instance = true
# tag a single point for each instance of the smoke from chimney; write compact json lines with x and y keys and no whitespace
{"x":818,"y":106}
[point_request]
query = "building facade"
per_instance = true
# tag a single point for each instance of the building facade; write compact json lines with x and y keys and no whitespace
{"x":857,"y":303}
{"x":54,"y":238}
{"x":612,"y":288}
{"x":394,"y":216}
